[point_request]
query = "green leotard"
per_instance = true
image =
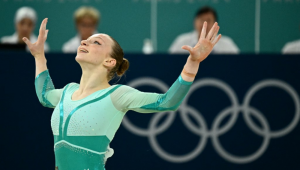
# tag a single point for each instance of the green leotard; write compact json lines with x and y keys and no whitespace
{"x":84,"y":128}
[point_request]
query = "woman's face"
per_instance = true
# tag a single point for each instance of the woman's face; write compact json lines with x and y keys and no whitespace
{"x":95,"y":50}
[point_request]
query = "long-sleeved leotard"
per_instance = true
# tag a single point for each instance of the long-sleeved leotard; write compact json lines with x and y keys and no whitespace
{"x":84,"y":128}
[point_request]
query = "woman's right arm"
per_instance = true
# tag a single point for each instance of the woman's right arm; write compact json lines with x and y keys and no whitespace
{"x":47,"y":94}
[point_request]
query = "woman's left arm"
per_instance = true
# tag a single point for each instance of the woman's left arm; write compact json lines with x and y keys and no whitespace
{"x":128,"y":98}
{"x":132,"y":99}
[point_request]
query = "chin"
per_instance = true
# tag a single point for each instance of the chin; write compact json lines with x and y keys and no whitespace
{"x":79,"y":58}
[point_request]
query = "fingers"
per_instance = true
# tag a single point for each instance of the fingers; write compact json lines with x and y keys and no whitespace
{"x":217,"y":39}
{"x":215,"y":34}
{"x":27,"y":42}
{"x":43,"y":32}
{"x":43,"y":26}
{"x":188,"y":48}
{"x":212,"y":31}
{"x":203,"y":32}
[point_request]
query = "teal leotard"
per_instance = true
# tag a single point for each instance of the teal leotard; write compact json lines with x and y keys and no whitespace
{"x":84,"y":128}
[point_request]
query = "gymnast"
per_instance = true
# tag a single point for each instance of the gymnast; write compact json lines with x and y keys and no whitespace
{"x":86,"y":116}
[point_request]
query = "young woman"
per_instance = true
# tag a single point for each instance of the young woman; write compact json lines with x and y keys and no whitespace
{"x":87,"y":115}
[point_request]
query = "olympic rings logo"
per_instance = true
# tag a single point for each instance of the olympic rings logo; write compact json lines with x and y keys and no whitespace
{"x":215,"y":131}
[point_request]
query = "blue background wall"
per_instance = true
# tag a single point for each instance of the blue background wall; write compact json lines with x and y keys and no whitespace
{"x":128,"y":21}
{"x":27,"y":141}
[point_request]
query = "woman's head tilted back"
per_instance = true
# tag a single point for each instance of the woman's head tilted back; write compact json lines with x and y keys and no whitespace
{"x":100,"y":51}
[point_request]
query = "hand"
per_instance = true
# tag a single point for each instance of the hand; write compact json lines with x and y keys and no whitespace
{"x":205,"y":44}
{"x":37,"y":48}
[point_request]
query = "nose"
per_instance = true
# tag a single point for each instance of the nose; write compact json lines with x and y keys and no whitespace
{"x":84,"y":43}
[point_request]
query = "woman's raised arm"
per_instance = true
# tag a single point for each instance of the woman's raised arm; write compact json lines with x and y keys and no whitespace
{"x":201,"y":50}
{"x":47,"y":94}
{"x":37,"y":48}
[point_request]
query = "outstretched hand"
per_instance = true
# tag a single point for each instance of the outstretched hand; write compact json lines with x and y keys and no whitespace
{"x":37,"y":48}
{"x":205,"y":44}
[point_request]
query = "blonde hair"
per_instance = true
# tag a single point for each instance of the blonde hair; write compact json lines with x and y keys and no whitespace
{"x":86,"y":11}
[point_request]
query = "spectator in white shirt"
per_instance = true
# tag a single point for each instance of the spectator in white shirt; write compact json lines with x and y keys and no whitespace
{"x":292,"y":47}
{"x":25,"y":20}
{"x":86,"y":20}
{"x":224,"y":46}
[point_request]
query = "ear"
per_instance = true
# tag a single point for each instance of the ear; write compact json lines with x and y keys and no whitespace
{"x":110,"y":62}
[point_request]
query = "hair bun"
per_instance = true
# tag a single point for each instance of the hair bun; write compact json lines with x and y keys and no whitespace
{"x":123,"y":67}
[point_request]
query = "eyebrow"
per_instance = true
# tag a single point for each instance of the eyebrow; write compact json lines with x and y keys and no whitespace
{"x":100,"y":38}
{"x":96,"y":37}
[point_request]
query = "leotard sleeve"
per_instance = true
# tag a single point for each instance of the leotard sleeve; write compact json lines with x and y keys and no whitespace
{"x":133,"y":99}
{"x":45,"y":90}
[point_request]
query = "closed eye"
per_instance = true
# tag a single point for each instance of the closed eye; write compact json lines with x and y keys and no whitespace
{"x":96,"y":42}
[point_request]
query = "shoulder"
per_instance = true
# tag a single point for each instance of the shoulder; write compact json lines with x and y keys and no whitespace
{"x":33,"y":38}
{"x":71,"y":45}
{"x":226,"y":46}
{"x":291,"y":47}
{"x":122,"y":90}
{"x":189,"y":38}
{"x":185,"y":36}
{"x":293,"y":43}
{"x":46,"y":47}
{"x":73,"y":40}
{"x":70,"y":85}
{"x":8,"y":39}
{"x":226,"y":39}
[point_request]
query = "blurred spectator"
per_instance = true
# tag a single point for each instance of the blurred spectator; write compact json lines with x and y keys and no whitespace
{"x":292,"y":47}
{"x":224,"y":46}
{"x":86,"y":20}
{"x":25,"y":20}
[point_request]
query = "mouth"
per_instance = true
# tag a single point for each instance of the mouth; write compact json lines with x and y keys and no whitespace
{"x":82,"y":50}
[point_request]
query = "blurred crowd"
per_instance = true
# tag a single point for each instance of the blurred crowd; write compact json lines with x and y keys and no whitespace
{"x":86,"y":20}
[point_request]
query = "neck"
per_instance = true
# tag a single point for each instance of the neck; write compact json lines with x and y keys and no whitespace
{"x":93,"y":79}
